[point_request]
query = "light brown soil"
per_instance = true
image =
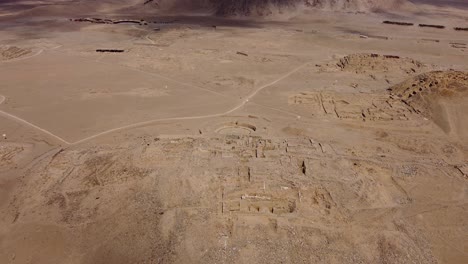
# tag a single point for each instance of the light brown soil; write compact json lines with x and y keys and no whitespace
{"x":274,"y":140}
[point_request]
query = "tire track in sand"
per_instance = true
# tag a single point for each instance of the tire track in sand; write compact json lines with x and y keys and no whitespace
{"x":149,"y":122}
{"x":22,"y":121}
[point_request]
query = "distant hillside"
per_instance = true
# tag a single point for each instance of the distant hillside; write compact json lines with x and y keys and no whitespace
{"x":266,"y":7}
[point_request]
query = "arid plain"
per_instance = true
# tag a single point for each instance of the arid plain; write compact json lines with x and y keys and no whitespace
{"x":308,"y":137}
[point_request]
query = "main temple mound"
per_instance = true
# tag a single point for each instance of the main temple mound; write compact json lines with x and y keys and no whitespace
{"x":369,"y":63}
{"x":441,"y":96}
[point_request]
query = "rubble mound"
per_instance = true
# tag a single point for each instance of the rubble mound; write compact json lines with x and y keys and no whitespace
{"x":441,"y":96}
{"x":375,"y":63}
{"x":444,"y":84}
{"x":10,"y":53}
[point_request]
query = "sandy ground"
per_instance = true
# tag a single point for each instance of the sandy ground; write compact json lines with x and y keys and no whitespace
{"x":320,"y":138}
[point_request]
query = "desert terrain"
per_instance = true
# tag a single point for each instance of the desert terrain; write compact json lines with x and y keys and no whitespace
{"x":155,"y":132}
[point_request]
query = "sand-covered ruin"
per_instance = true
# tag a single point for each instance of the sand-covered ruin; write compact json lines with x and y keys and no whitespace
{"x":233,"y":131}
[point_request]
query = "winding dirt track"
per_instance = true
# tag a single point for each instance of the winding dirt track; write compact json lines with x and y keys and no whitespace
{"x":22,"y":121}
{"x":149,"y":122}
{"x":240,"y":105}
